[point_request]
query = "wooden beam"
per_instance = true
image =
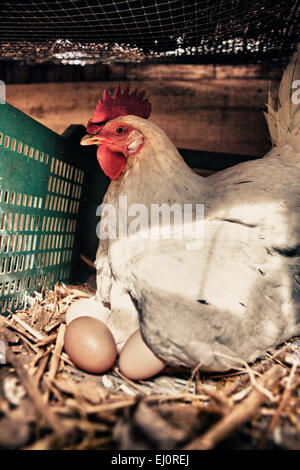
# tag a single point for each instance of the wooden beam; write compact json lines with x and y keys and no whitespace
{"x":216,"y":115}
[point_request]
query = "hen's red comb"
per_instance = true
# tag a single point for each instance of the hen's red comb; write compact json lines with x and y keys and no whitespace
{"x":121,"y":104}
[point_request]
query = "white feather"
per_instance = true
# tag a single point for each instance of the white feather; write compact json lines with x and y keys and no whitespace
{"x":283,"y":115}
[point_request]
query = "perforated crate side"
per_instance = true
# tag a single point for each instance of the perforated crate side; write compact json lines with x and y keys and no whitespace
{"x":40,"y":192}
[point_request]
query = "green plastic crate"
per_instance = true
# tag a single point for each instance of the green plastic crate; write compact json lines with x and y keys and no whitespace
{"x":40,"y":192}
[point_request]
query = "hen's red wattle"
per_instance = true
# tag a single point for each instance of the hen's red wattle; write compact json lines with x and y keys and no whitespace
{"x":112,"y":163}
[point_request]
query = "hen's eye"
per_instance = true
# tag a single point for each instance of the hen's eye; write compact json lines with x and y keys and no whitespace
{"x":121,"y":130}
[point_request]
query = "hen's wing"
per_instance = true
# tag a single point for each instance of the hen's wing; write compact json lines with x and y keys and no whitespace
{"x":238,"y":294}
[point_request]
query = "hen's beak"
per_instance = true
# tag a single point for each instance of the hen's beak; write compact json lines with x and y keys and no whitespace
{"x":90,"y":139}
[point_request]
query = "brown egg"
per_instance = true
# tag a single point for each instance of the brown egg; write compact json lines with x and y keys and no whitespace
{"x":90,"y":345}
{"x":137,"y":361}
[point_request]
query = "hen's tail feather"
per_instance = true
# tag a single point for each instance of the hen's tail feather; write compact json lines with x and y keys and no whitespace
{"x":283,"y":115}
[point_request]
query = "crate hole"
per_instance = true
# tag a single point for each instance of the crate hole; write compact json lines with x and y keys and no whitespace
{"x":31,"y":152}
{"x":19,"y":197}
{"x":28,"y":282}
{"x":16,"y":263}
{"x":6,"y":288}
{"x":18,"y":248}
{"x":30,"y":201}
{"x":21,"y":222}
{"x":6,"y":244}
{"x":32,"y":223}
{"x":27,"y":222}
{"x":16,"y":222}
{"x":9,"y":266}
{"x":13,"y":242}
{"x":16,"y":303}
{"x":53,"y":184}
{"x":9,"y":221}
{"x":46,"y":158}
{"x":3,"y":306}
{"x":13,"y":144}
{"x":25,"y":200}
{"x":41,"y":242}
{"x":36,"y":155}
{"x":18,"y":286}
{"x":42,"y":156}
{"x":12,"y":287}
{"x":35,"y":201}
{"x":3,"y":217}
{"x":1,"y":138}
{"x":34,"y":242}
{"x":24,"y":244}
{"x":3,"y":266}
{"x":6,"y":197}
{"x":21,"y":263}
{"x":49,"y":183}
{"x":58,"y":184}
{"x":40,"y":202}
{"x":6,"y":141}
{"x":59,"y":204}
{"x":1,"y":287}
{"x":25,"y":150}
{"x":27,"y":261}
{"x":20,"y":146}
{"x":29,"y":243}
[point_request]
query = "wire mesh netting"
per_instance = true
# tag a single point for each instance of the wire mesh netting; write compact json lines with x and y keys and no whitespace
{"x":91,"y":31}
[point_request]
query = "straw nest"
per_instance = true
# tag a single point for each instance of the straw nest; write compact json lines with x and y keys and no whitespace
{"x":47,"y":403}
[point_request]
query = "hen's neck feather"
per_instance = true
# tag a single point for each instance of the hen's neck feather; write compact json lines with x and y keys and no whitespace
{"x":158,"y":173}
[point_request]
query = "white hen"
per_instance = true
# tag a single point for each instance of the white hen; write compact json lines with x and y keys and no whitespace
{"x":238,"y":294}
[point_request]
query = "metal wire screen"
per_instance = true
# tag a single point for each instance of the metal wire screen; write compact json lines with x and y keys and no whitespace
{"x":91,"y":31}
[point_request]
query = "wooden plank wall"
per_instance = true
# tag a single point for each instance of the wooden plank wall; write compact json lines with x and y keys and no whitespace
{"x":216,"y":108}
